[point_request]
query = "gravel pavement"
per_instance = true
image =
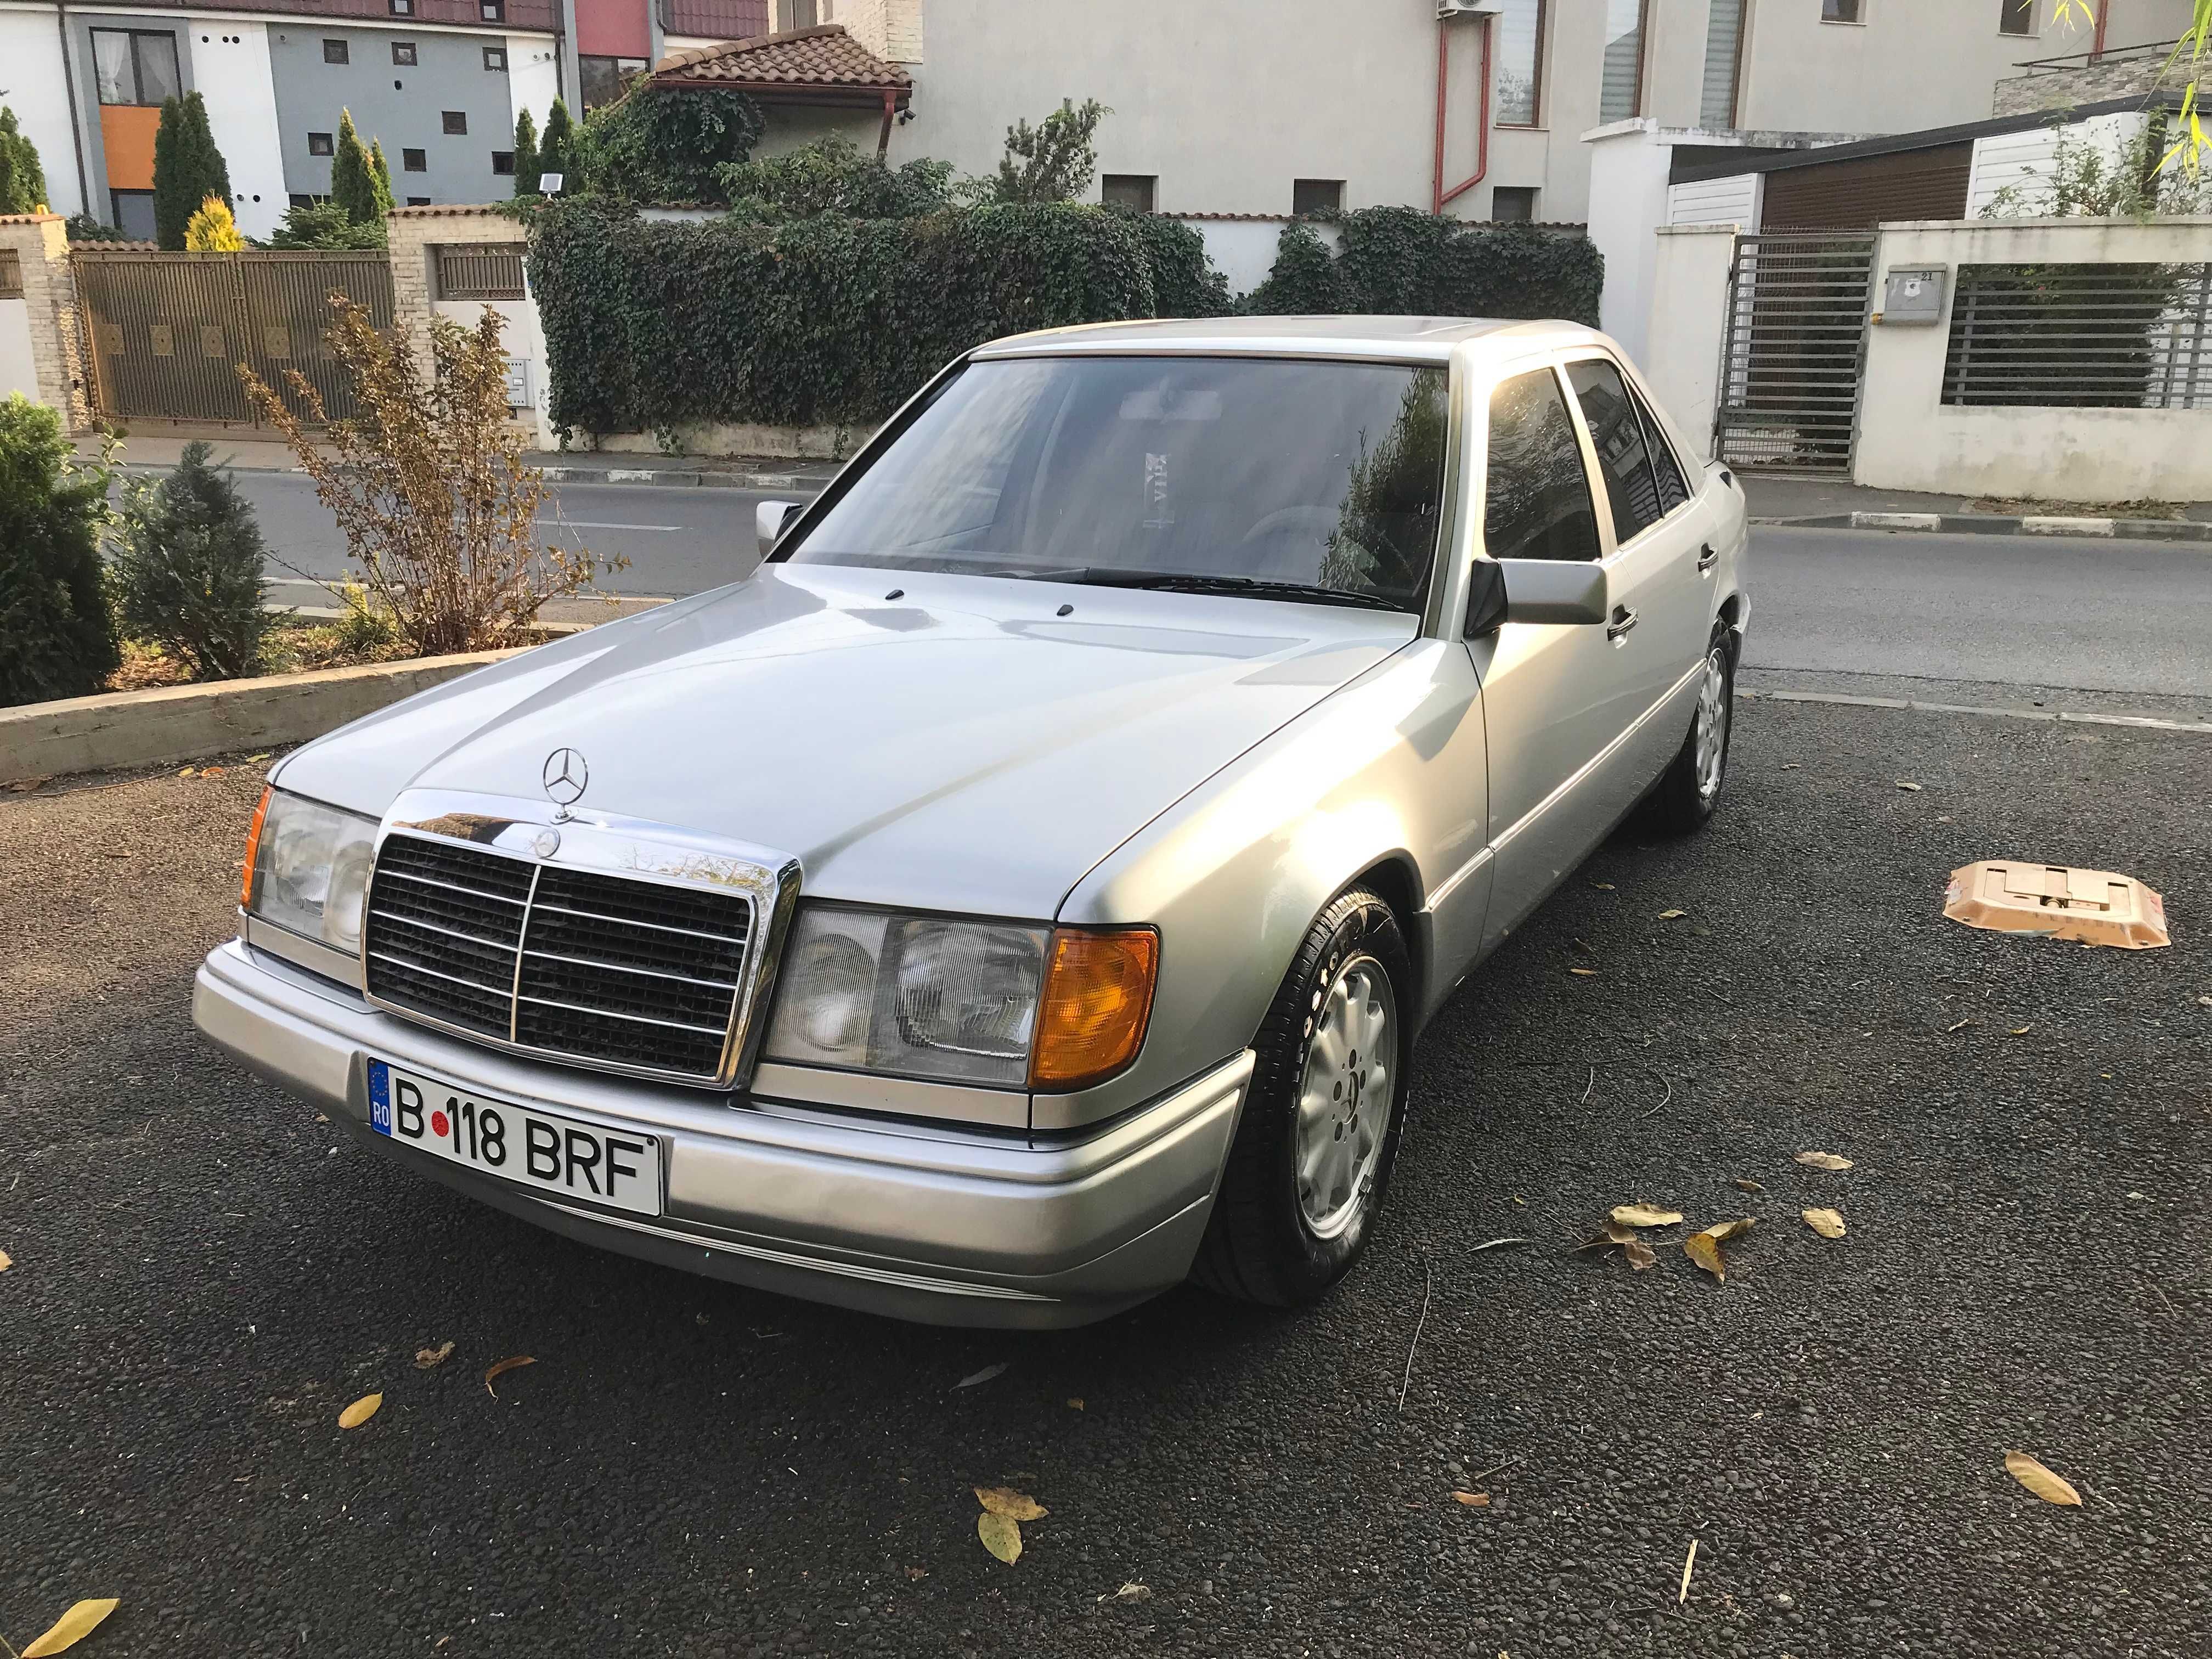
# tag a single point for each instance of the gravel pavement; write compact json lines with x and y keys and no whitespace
{"x":204,"y":1276}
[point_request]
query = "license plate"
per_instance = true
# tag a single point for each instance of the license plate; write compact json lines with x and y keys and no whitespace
{"x":556,"y":1155}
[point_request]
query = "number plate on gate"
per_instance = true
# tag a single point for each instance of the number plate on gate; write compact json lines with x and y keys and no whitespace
{"x":558,"y":1156}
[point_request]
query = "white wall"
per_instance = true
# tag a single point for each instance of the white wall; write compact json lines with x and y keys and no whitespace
{"x":1243,"y":250}
{"x":533,"y":78}
{"x":1628,"y":164}
{"x":1682,"y":352}
{"x":31,"y":69}
{"x":2023,"y":161}
{"x":1909,"y":438}
{"x":522,"y":338}
{"x":16,"y":374}
{"x":1733,"y":200}
{"x":230,"y":70}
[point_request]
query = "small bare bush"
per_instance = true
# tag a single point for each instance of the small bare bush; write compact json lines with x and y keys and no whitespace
{"x":429,"y":485}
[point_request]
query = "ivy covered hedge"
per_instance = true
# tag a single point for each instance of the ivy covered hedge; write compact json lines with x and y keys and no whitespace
{"x":652,"y":326}
{"x":1400,"y":261}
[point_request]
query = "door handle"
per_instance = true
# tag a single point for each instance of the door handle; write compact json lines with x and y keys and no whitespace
{"x":1707,"y":559}
{"x":1622,"y":620}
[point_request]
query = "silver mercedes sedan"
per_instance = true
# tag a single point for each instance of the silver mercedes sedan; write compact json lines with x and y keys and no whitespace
{"x":1023,"y":892}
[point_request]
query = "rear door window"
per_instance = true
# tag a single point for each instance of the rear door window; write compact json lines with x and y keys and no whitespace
{"x":1673,"y":491}
{"x":1623,"y":456}
{"x":1536,"y":502}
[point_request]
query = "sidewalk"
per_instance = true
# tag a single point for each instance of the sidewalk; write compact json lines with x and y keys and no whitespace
{"x":252,"y":454}
{"x":1836,"y":504}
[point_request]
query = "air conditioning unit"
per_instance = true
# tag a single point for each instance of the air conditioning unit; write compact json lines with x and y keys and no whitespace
{"x":1448,"y":10}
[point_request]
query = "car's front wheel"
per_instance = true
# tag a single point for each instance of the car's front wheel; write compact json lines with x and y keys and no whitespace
{"x":1312,"y":1157}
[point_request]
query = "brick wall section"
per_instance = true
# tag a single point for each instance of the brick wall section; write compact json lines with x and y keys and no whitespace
{"x":902,"y":27}
{"x":2091,"y":83}
{"x":58,"y":356}
{"x":411,"y":234}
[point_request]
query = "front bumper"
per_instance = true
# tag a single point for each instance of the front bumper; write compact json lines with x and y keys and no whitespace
{"x":913,"y":1220}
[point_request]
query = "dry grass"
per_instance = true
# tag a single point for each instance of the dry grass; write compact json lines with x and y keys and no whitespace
{"x":293,"y":645}
{"x":2012,"y":507}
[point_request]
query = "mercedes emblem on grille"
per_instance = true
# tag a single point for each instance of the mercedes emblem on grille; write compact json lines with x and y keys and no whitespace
{"x":566,"y":778}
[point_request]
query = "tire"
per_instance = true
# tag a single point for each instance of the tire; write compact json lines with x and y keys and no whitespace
{"x":1689,"y":789}
{"x":1273,"y":1238}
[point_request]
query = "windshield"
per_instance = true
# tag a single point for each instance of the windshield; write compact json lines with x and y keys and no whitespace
{"x":1281,"y":475}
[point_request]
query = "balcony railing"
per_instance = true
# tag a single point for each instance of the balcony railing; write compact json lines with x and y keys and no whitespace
{"x":2149,"y":51}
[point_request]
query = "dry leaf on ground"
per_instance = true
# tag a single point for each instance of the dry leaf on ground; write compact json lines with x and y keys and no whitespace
{"x":1473,"y":1500}
{"x":6,"y":1261}
{"x":426,"y":1357}
{"x":1914,"y":788}
{"x":1672,"y":916}
{"x":1075,"y":1403}
{"x":1829,"y":1224}
{"x":1721,"y":1232}
{"x":1131,"y":1591}
{"x":24,"y":786}
{"x":1640,"y":1255}
{"x":1001,"y":1535}
{"x":1586,"y":973}
{"x":1749,"y":1185}
{"x":917,"y":1574}
{"x":1644,"y":1215}
{"x":1014,"y":1505}
{"x":1824,"y":1160}
{"x":360,"y":1412}
{"x":2040,"y":1481}
{"x":1602,"y":886}
{"x":72,"y":1627}
{"x":981,"y":1377}
{"x":503,"y":1368}
{"x":2021,"y":1030}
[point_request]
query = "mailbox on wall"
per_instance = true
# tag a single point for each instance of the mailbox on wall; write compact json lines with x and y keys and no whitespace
{"x":1912,"y":293}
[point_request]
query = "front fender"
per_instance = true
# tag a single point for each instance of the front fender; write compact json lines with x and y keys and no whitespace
{"x":1235,"y":873}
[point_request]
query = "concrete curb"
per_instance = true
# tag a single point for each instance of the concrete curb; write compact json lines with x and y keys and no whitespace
{"x":1992,"y":524}
{"x":658,"y":478}
{"x":184,"y":722}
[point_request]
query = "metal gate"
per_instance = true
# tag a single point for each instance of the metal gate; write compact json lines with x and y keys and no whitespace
{"x":168,"y":331}
{"x":1792,"y":352}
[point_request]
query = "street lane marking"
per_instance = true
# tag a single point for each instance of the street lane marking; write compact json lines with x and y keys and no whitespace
{"x":2068,"y":716}
{"x":595,"y":524}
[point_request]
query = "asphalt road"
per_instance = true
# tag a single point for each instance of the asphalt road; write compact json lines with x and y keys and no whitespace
{"x":2040,"y":610}
{"x":204,"y":1276}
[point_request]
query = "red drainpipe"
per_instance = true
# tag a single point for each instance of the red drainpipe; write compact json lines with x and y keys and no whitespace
{"x":2097,"y":46}
{"x":1482,"y":131}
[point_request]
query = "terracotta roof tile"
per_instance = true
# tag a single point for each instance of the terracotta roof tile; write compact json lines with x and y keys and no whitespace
{"x":824,"y":57}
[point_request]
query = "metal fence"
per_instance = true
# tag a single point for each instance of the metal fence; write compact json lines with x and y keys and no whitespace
{"x":480,"y":270}
{"x":1793,"y":345}
{"x":2081,"y":336}
{"x":169,"y":331}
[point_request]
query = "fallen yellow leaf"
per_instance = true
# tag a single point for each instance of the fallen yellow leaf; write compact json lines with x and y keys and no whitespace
{"x":1914,"y":788}
{"x":1751,"y":1186}
{"x":503,"y":1368}
{"x":1644,"y":1215}
{"x":1672,"y":916}
{"x":1602,"y":886}
{"x":1473,"y":1500}
{"x":2022,"y":1468}
{"x":1705,"y":1250}
{"x":1587,"y":973}
{"x":6,"y":1261}
{"x":1001,"y":1535}
{"x":360,"y":1412}
{"x":2021,"y":1031}
{"x":187,"y":772}
{"x":72,"y":1627}
{"x":1829,"y":1224}
{"x":1014,"y":1505}
{"x":1075,"y":1403}
{"x":1824,"y":1160}
{"x":426,"y":1357}
{"x":1640,"y":1255}
{"x":1721,"y":1232}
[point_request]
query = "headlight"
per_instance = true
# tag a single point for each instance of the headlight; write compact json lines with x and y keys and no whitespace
{"x":307,"y":868}
{"x":995,"y":1003}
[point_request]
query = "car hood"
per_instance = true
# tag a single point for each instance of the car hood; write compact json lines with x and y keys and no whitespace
{"x":949,"y":742}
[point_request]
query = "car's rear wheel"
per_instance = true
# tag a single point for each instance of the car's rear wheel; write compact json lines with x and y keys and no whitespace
{"x":1306,"y":1174}
{"x":1690,"y":787}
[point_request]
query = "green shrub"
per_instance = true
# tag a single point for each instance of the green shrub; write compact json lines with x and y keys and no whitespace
{"x":22,"y":177}
{"x":653,"y":326}
{"x":57,"y":635}
{"x":186,"y":568}
{"x":1400,"y":261}
{"x":833,"y":175}
{"x":557,"y":147}
{"x":83,"y":228}
{"x":187,"y":167}
{"x":1184,"y":282}
{"x":353,"y":176}
{"x":655,"y":145}
{"x":1052,"y":162}
{"x":1304,"y":280}
{"x":324,"y":225}
{"x":526,"y":164}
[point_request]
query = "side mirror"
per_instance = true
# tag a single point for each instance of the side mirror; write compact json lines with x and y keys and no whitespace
{"x":768,"y":520}
{"x":1486,"y":597}
{"x":1545,"y":591}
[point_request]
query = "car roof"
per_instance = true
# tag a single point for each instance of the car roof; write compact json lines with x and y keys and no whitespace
{"x":1398,"y":339}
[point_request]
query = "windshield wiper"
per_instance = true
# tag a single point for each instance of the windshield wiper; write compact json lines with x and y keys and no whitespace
{"x":1185,"y":581}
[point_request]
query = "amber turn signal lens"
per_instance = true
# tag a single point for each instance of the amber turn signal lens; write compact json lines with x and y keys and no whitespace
{"x":253,"y":851}
{"x":1097,"y":997}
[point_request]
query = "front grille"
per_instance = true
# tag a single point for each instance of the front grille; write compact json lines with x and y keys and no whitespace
{"x":601,"y":969}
